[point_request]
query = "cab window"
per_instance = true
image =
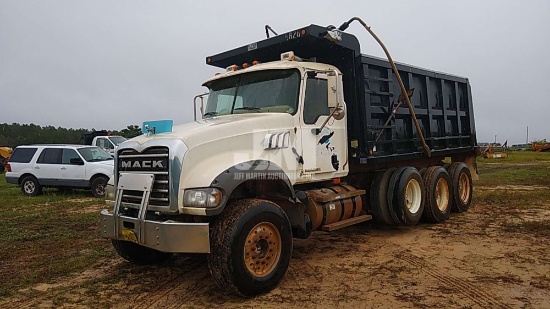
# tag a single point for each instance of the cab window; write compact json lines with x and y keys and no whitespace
{"x":316,"y":100}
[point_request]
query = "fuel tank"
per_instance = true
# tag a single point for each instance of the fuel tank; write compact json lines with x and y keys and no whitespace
{"x":333,"y":204}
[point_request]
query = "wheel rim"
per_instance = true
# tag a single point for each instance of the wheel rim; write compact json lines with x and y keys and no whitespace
{"x":262,"y":249}
{"x":464,"y":188}
{"x":442,"y":194}
{"x":413,"y":196}
{"x":100,"y":189}
{"x":29,"y":187}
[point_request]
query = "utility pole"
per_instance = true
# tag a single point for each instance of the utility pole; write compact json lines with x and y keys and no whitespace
{"x":527,"y":139}
{"x":495,"y":139}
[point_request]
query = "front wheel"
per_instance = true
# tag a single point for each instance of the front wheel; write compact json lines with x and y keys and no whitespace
{"x":98,"y":186}
{"x":251,"y":246}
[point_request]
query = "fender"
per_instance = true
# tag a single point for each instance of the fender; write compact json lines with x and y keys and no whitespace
{"x":236,"y":175}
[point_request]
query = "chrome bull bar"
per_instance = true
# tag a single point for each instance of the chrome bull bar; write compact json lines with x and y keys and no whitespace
{"x":166,"y":236}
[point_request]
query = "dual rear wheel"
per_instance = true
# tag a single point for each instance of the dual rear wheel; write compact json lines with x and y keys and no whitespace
{"x":404,"y":195}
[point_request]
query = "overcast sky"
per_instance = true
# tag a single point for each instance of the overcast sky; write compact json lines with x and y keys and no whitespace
{"x":108,"y":64}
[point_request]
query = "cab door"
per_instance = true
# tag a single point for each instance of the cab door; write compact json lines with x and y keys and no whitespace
{"x":324,"y":148}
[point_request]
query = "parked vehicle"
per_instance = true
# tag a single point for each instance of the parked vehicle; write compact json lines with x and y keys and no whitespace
{"x":103,"y":140}
{"x":5,"y":153}
{"x":34,"y":167}
{"x":300,"y":133}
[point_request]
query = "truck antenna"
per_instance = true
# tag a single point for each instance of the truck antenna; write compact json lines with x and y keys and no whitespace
{"x":343,"y":27}
{"x":267,"y":29}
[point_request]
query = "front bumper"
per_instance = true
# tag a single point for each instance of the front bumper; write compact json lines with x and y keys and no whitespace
{"x":166,"y":236}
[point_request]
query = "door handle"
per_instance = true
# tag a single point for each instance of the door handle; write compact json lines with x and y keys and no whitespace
{"x":63,"y":168}
{"x":37,"y":167}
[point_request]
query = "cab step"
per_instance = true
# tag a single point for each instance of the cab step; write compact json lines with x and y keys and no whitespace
{"x":340,"y":224}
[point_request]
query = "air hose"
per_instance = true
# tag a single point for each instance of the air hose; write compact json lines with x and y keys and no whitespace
{"x":343,"y":27}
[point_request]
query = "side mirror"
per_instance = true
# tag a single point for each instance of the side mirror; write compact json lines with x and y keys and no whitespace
{"x":332,"y":91}
{"x":77,"y":161}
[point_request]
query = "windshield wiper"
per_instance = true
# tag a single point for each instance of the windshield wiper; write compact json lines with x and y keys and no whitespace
{"x":248,"y":108}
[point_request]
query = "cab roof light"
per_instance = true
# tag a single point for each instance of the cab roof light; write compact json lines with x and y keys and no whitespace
{"x":289,"y":56}
{"x":245,"y":65}
{"x":232,"y":68}
{"x":255,"y":62}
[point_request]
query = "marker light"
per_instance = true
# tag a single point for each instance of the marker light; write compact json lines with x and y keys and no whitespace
{"x":245,"y":65}
{"x":288,"y":56}
{"x":232,"y":68}
{"x":255,"y":62}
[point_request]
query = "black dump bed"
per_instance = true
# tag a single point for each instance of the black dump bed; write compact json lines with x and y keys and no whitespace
{"x":442,"y":102}
{"x":88,"y":138}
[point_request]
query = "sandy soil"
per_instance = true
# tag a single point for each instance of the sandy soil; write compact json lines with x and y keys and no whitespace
{"x":474,"y":260}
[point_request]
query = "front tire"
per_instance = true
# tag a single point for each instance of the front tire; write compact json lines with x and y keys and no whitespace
{"x":139,"y":254}
{"x":30,"y":186}
{"x":251,"y":246}
{"x":98,"y":186}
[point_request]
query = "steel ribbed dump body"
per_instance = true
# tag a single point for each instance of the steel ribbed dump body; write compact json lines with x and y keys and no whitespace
{"x":442,"y":104}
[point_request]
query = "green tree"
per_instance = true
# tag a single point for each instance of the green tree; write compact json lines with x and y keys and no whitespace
{"x":131,"y":131}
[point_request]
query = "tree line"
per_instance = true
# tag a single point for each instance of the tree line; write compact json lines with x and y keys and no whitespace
{"x":15,"y":134}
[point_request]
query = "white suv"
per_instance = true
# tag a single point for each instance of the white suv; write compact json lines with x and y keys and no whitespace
{"x":73,"y":166}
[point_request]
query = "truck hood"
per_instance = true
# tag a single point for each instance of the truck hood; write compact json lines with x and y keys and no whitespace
{"x":223,"y":127}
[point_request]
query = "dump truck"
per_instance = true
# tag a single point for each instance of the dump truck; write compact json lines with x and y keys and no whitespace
{"x":299,"y":133}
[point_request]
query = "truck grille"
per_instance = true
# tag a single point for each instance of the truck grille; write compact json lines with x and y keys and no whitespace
{"x":152,"y":160}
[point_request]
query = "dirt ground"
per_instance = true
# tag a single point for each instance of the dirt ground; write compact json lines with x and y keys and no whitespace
{"x":478,"y":259}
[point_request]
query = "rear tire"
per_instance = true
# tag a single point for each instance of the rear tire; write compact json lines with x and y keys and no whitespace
{"x":98,"y":186}
{"x":139,"y":254}
{"x":30,"y":186}
{"x":391,"y":193}
{"x":437,"y":182}
{"x":378,"y":196}
{"x":409,"y":196}
{"x":251,"y":246}
{"x":462,"y":187}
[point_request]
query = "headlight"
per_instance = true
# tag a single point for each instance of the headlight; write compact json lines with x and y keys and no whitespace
{"x":204,"y":197}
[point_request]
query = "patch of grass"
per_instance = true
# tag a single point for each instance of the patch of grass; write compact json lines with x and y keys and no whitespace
{"x":520,"y":168}
{"x":511,"y":199}
{"x":46,"y":237}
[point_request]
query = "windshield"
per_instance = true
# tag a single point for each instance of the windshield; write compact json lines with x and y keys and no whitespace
{"x":117,"y":139}
{"x":272,"y":91}
{"x":94,"y":154}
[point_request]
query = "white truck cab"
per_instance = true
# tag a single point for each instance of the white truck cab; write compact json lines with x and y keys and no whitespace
{"x":108,"y":143}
